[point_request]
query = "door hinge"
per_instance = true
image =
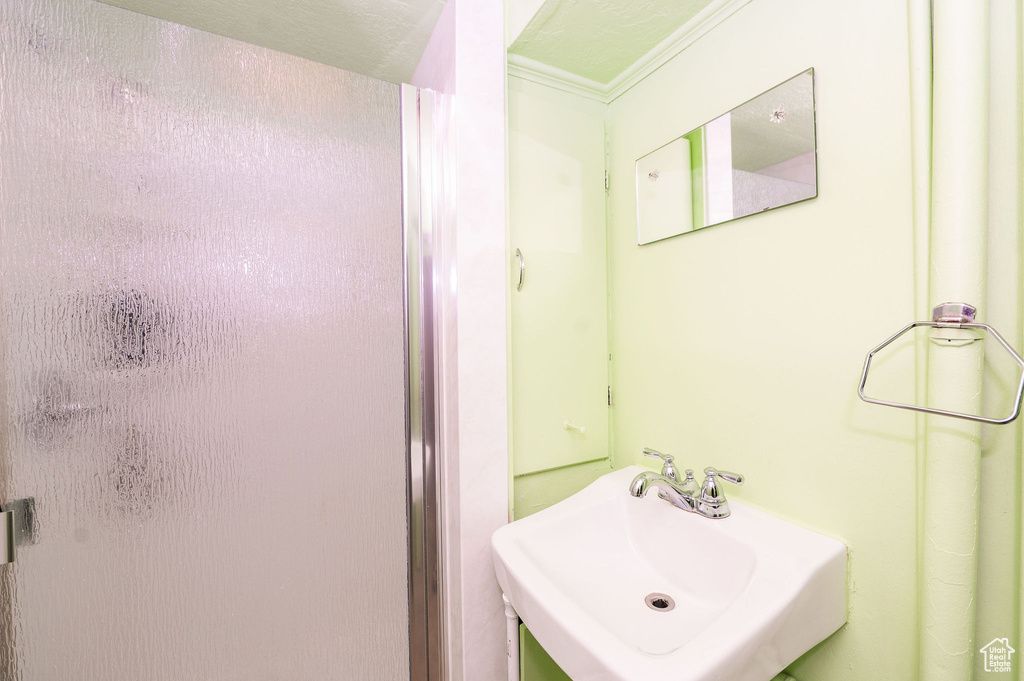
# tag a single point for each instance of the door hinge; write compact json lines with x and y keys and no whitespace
{"x":606,"y":181}
{"x":609,"y":396}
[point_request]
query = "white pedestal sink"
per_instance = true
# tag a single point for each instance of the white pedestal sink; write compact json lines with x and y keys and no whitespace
{"x":751,"y":592}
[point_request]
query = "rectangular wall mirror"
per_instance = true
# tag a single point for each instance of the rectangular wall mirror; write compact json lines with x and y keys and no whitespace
{"x":759,"y":156}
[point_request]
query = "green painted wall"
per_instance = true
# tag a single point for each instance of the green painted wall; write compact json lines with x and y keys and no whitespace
{"x":536,"y":491}
{"x":740,"y":346}
{"x":534,"y":662}
{"x":754,"y":332}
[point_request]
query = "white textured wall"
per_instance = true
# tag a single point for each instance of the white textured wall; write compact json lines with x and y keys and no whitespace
{"x":483,"y":403}
{"x":466,"y":57}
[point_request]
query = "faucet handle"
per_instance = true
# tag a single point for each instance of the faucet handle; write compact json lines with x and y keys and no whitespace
{"x":734,"y":478}
{"x":668,"y":470}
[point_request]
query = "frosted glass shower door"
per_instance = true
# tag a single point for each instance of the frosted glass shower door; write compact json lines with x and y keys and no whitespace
{"x":202,"y":357}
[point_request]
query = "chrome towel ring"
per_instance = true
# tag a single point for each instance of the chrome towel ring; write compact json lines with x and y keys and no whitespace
{"x":957,"y":316}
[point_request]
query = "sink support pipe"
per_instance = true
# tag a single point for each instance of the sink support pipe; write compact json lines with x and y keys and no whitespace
{"x":511,"y":639}
{"x":957,"y":266}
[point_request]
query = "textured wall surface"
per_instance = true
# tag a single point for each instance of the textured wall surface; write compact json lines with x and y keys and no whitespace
{"x":482,"y":331}
{"x":466,"y":57}
{"x":1000,"y":578}
{"x":202,"y":355}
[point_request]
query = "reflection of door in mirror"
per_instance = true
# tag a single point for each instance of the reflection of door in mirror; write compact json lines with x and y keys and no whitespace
{"x":759,"y":156}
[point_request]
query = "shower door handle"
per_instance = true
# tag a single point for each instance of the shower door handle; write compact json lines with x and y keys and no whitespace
{"x":6,"y":537}
{"x":17,"y":527}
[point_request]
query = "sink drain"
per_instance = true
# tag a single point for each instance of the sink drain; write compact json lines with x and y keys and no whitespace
{"x":659,"y":602}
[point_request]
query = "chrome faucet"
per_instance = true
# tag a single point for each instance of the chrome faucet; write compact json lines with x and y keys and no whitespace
{"x":712,"y":496}
{"x":689,"y":485}
{"x":668,"y":490}
{"x":710,"y":502}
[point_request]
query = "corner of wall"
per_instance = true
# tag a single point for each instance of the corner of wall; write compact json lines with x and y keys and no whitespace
{"x":468,"y":59}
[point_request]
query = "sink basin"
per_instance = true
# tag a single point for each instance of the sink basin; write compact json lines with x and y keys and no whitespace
{"x":751,"y":592}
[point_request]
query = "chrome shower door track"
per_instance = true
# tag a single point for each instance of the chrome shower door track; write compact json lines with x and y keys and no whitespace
{"x":426,"y":207}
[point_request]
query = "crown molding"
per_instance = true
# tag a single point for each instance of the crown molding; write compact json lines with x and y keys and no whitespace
{"x":684,"y":36}
{"x":537,"y":72}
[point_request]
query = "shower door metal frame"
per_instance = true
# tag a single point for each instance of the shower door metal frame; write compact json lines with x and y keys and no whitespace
{"x":427,"y":210}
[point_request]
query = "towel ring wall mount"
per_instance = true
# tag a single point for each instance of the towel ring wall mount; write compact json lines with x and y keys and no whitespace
{"x":950,"y":316}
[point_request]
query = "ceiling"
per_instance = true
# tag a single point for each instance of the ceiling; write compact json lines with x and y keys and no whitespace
{"x":758,"y":141}
{"x":600,"y":39}
{"x":379,"y":38}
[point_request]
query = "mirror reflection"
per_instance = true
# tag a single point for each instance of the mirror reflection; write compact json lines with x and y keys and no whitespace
{"x":759,"y":156}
